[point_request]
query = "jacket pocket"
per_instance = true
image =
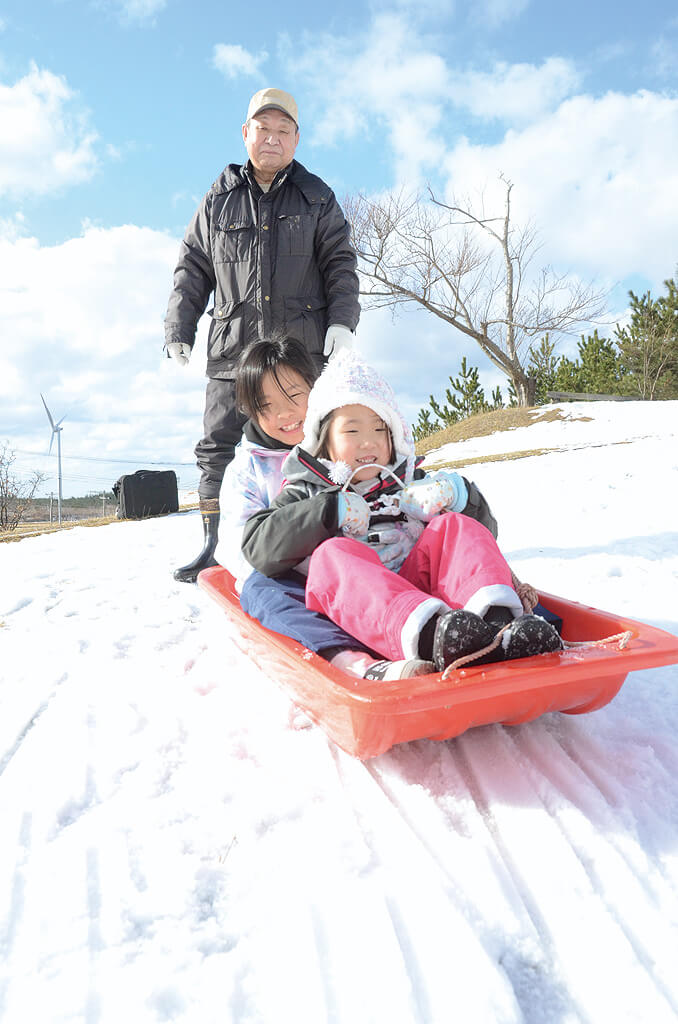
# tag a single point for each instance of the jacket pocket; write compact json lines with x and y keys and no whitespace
{"x":233,"y":241}
{"x":306,"y":320}
{"x":224,"y":336}
{"x":296,"y":233}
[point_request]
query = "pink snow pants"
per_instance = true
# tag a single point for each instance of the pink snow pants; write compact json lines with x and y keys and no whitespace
{"x":453,"y":559}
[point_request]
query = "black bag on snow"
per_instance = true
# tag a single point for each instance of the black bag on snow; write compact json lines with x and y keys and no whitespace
{"x":147,"y":492}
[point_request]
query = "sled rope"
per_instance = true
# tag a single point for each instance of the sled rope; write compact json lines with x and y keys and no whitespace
{"x":529,"y":598}
{"x":476,"y":654}
{"x":621,"y":638}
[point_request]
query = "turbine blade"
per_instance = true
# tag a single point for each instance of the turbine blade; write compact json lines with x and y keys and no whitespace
{"x":61,"y":421}
{"x":47,"y":411}
{"x":50,"y":443}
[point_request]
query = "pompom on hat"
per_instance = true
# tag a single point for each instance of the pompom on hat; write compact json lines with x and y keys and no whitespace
{"x":347,"y":380}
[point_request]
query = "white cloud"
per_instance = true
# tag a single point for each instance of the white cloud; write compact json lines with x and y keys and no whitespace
{"x":598,"y":175}
{"x":82,"y":322}
{"x":47,"y":140}
{"x":391,"y":82}
{"x":140,"y":10}
{"x":515,"y":92}
{"x":233,"y":60}
{"x":493,"y":13}
{"x":12,"y":227}
{"x":665,"y":58}
{"x":421,"y":11}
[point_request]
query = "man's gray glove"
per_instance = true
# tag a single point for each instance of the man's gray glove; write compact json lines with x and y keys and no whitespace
{"x":337,"y":337}
{"x":180,"y":351}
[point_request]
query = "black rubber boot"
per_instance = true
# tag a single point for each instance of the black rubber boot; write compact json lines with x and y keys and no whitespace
{"x":530,"y":635}
{"x":210,"y":522}
{"x":458,"y":633}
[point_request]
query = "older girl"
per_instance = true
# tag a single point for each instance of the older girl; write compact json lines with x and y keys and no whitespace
{"x":396,"y":557}
{"x":274,"y":379}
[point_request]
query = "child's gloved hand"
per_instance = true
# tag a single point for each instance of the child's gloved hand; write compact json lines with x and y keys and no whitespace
{"x":437,"y":492}
{"x":353,"y":514}
{"x":391,"y":545}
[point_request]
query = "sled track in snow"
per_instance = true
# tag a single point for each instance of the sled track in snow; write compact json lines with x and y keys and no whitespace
{"x":414,"y":818}
{"x":573,"y":800}
{"x":653,"y":890}
{"x":454,"y":761}
{"x":585,"y":816}
{"x":582,"y":773}
{"x":23,"y":733}
{"x":16,"y":900}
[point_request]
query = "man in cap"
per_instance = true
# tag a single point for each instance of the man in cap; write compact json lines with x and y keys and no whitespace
{"x":271,"y":242}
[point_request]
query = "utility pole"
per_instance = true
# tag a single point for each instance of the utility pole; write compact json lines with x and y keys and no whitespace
{"x":58,"y":434}
{"x":103,"y":504}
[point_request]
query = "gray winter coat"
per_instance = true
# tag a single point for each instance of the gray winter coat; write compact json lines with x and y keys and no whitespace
{"x":280,"y":259}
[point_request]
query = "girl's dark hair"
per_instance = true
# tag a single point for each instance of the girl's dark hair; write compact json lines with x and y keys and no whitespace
{"x":324,"y":436}
{"x":270,"y":355}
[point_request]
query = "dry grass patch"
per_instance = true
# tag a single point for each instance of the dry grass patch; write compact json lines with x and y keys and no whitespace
{"x":499,"y":457}
{"x":25,"y":530}
{"x":30,"y":529}
{"x":485,"y":423}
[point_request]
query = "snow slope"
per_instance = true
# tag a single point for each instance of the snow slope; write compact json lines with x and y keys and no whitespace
{"x":180,"y":844}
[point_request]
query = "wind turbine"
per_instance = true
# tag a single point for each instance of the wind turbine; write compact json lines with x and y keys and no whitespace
{"x":56,"y":429}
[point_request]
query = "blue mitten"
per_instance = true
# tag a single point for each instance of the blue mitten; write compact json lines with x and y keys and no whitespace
{"x":437,"y":492}
{"x":353,"y":514}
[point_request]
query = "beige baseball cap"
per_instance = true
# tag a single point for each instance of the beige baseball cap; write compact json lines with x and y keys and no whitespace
{"x":276,"y":98}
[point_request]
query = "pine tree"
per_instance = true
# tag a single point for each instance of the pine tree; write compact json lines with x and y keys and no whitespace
{"x":471,"y":395}
{"x":543,"y":366}
{"x":424,"y":427}
{"x":569,"y":376}
{"x":497,"y":400}
{"x":601,"y":370}
{"x":469,"y":399}
{"x":648,"y":345}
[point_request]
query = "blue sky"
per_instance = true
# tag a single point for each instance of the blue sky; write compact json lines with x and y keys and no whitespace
{"x":116,"y":116}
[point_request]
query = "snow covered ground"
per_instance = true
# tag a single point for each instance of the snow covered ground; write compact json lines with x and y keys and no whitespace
{"x":180,"y":844}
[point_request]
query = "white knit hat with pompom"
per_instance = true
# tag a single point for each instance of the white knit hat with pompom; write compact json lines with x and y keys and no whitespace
{"x":348,"y":380}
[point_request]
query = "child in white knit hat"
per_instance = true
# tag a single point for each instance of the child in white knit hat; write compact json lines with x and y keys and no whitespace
{"x":405,"y":561}
{"x":275,"y":376}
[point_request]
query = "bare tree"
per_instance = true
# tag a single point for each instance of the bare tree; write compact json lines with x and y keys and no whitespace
{"x":469,"y":269}
{"x":15,"y":494}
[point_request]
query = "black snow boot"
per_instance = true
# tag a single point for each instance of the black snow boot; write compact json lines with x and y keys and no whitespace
{"x":209,"y":509}
{"x":458,"y":633}
{"x":530,"y":635}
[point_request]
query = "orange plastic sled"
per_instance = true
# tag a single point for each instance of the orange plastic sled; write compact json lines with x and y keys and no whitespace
{"x":366,"y":718}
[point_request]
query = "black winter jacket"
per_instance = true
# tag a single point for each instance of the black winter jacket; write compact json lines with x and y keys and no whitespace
{"x":305,"y":513}
{"x":280,"y":259}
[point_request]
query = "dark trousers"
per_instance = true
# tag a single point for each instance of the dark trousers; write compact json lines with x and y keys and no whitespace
{"x":222,"y":424}
{"x":280,"y":605}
